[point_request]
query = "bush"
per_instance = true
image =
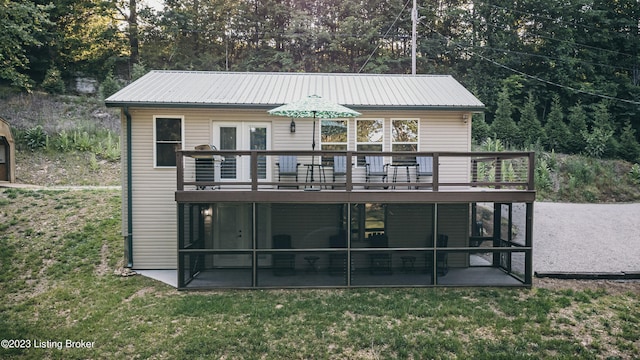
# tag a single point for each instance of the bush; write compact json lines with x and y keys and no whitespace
{"x":35,"y":138}
{"x":634,"y":174}
{"x":597,"y":141}
{"x":52,"y":82}
{"x":63,"y":142}
{"x":109,"y":86}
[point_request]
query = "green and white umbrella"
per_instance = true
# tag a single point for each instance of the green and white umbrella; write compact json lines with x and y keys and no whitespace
{"x":313,"y":107}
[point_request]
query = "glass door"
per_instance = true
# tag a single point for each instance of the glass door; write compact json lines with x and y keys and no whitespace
{"x":242,"y":136}
{"x":232,"y":231}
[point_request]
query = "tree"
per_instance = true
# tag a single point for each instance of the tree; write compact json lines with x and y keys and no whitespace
{"x":603,"y":125}
{"x":21,"y":21}
{"x":577,"y":126}
{"x":480,"y":130}
{"x":629,"y":148}
{"x":555,"y":128}
{"x":503,"y":126}
{"x":531,"y":130}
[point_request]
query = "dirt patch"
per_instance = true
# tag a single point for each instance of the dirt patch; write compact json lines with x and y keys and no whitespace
{"x":140,"y":293}
{"x":103,"y":268}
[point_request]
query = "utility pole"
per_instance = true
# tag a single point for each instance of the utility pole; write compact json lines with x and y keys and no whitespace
{"x":414,"y":25}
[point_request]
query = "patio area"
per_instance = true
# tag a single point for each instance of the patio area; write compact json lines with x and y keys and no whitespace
{"x":241,"y":278}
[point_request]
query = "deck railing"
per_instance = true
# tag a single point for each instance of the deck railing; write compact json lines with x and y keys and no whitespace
{"x":258,"y":170}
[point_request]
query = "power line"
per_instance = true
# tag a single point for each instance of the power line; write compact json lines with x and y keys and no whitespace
{"x":554,"y":83}
{"x":385,"y":36}
{"x":459,"y":45}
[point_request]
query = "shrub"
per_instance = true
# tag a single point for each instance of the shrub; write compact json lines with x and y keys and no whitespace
{"x":63,"y":142}
{"x":52,"y":82}
{"x":35,"y":138}
{"x":109,"y":86}
{"x":634,"y":174}
{"x":543,"y":176}
{"x":139,"y":70}
{"x":597,"y":141}
{"x":82,"y":141}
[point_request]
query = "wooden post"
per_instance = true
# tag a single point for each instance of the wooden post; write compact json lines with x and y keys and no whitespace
{"x":532,"y":171}
{"x":179,"y":171}
{"x":254,"y":170}
{"x":349,"y":173}
{"x":436,"y":171}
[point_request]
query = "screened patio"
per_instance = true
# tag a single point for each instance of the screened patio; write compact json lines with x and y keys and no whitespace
{"x":282,"y":245}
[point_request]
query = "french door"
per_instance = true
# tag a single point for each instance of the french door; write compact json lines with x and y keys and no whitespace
{"x":242,"y":136}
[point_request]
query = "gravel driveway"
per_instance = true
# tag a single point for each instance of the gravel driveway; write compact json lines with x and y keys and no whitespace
{"x":582,"y":238}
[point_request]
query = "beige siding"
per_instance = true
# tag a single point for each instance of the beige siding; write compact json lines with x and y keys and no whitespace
{"x":154,"y":207}
{"x":453,"y":220}
{"x":448,"y":132}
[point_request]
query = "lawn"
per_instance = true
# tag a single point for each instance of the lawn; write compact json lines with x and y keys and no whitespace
{"x":61,"y":252}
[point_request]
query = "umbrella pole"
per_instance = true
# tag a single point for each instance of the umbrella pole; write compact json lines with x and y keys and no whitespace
{"x":313,"y":146}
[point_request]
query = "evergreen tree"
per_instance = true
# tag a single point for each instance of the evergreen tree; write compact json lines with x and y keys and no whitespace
{"x":629,"y":148}
{"x":577,"y":126}
{"x":603,"y":123}
{"x":555,"y":128}
{"x":531,"y":130}
{"x":480,"y":130}
{"x":503,"y":126}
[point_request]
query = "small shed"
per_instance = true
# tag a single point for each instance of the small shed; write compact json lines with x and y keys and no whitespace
{"x":7,"y":153}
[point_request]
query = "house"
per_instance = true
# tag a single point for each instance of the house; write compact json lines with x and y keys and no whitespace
{"x":230,"y":196}
{"x":7,"y":153}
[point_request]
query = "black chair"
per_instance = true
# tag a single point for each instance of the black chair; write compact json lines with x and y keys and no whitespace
{"x":205,"y":170}
{"x":442,"y":258}
{"x":283,"y":263}
{"x":380,"y":262}
{"x":338,"y":261}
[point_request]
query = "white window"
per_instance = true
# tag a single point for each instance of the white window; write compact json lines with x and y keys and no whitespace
{"x":369,"y":136}
{"x":167,"y":139}
{"x":404,"y":137}
{"x":333,"y":136}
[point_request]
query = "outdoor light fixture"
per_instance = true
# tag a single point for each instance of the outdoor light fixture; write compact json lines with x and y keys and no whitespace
{"x":207,"y":212}
{"x":465,"y":118}
{"x":292,"y":126}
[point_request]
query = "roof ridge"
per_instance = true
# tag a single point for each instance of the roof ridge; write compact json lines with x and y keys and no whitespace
{"x":270,"y":73}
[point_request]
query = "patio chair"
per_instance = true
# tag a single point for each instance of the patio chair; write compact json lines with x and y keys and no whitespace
{"x":288,"y":166}
{"x":380,"y":262}
{"x":442,"y":258}
{"x":283,"y":263}
{"x":375,"y":166}
{"x":425,"y":167}
{"x":339,"y":166}
{"x":205,"y":171}
{"x":338,"y":261}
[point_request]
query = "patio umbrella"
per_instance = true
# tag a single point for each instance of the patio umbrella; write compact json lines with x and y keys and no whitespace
{"x":313,"y":106}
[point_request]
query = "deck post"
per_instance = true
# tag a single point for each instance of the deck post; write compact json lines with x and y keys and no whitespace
{"x":497,"y":230}
{"x":436,"y":171}
{"x":532,"y":171}
{"x":349,"y":173}
{"x":179,"y":171}
{"x":528,"y":257}
{"x":254,"y":170}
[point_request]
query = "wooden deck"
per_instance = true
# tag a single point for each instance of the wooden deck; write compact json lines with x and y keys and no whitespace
{"x":492,"y":177}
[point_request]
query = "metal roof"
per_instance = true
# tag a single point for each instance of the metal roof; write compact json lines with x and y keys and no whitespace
{"x":266,"y":90}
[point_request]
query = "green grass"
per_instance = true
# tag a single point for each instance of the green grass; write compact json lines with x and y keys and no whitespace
{"x":59,"y":250}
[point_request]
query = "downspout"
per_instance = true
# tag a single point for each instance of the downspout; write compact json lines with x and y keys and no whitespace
{"x":129,"y":193}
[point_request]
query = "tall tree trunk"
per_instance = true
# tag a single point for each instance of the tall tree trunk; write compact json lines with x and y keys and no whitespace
{"x":134,"y":57}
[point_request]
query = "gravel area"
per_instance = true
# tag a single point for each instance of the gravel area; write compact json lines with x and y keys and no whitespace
{"x":584,"y":238}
